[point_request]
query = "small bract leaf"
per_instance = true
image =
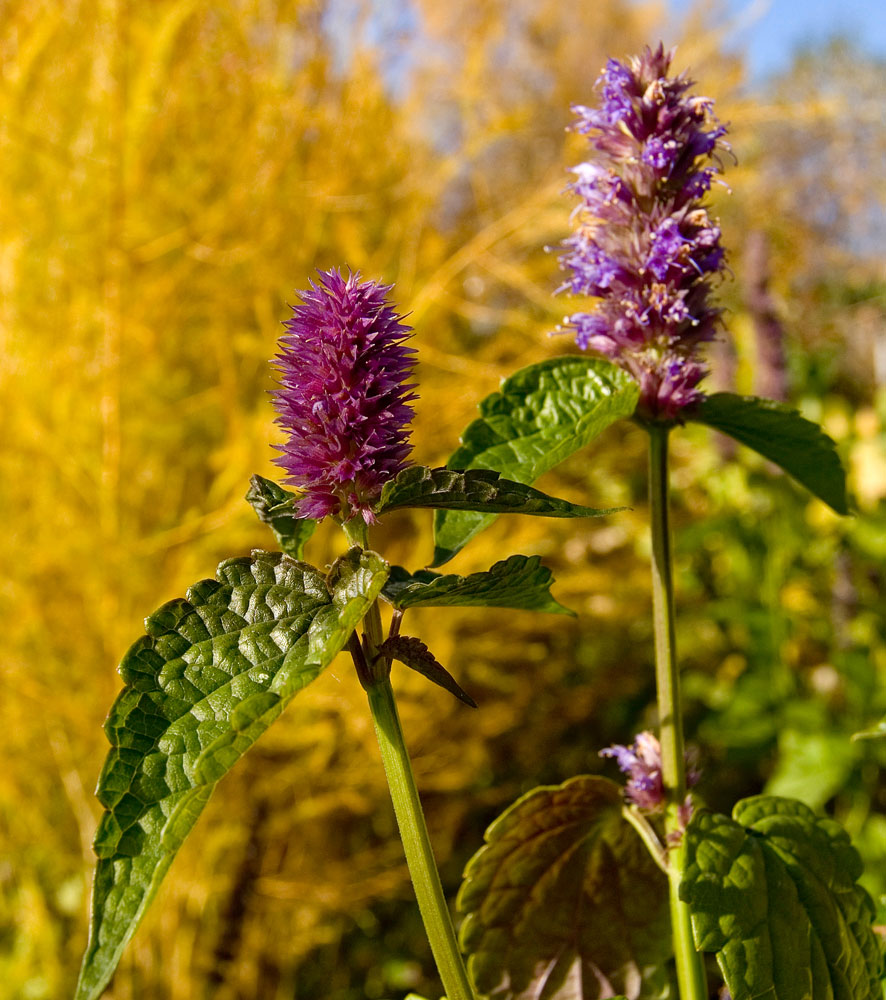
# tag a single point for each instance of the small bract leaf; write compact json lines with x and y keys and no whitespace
{"x":773,"y":892}
{"x":780,"y":434}
{"x":516,"y":582}
{"x":541,"y":416}
{"x":208,"y":678}
{"x":416,"y":655}
{"x":564,"y":902}
{"x":274,"y":506}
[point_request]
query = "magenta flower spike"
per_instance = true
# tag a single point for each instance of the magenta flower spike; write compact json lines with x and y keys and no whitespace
{"x":646,"y":247}
{"x":344,"y":396}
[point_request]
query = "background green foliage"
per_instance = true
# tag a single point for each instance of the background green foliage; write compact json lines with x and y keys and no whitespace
{"x":169,"y":172}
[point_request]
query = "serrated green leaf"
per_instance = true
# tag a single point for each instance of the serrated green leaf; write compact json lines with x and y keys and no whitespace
{"x":773,"y":893}
{"x":211,"y":674}
{"x":415,"y":654}
{"x":564,"y":902}
{"x":274,"y":506}
{"x":475,"y":490}
{"x":541,"y":416}
{"x":780,"y":434}
{"x":517,"y":582}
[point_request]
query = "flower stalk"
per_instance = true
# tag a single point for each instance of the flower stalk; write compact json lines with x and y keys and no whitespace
{"x":690,"y":963}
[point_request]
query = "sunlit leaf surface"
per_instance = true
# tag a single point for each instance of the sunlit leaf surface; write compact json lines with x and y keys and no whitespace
{"x":541,"y":415}
{"x":211,"y":674}
{"x":773,"y":892}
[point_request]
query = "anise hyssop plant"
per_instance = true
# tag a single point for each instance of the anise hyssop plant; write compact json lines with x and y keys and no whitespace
{"x":586,"y":889}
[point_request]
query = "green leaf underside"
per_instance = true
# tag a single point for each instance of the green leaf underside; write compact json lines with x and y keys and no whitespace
{"x":274,"y":506}
{"x":475,"y":490}
{"x":779,"y":433}
{"x":541,"y":415}
{"x":208,"y":678}
{"x":773,"y":892}
{"x":517,"y":582}
{"x":416,"y":655}
{"x":564,"y":901}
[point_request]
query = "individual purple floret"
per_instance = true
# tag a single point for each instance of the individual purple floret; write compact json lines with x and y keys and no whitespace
{"x":641,"y":761}
{"x":646,"y":246}
{"x":344,"y":396}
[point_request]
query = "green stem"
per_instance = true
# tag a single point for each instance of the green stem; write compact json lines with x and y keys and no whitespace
{"x":690,"y":964}
{"x":417,"y":844}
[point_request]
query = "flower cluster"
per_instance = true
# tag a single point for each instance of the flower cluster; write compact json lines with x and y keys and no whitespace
{"x":641,"y":762}
{"x":646,"y":246}
{"x":343,"y":398}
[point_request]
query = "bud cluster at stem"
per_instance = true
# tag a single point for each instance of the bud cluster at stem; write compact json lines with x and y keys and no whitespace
{"x":645,"y":246}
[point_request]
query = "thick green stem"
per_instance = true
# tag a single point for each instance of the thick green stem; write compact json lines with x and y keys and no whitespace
{"x":690,"y":964}
{"x":417,"y":844}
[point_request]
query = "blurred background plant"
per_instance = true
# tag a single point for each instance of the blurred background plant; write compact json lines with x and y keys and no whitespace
{"x":169,"y":172}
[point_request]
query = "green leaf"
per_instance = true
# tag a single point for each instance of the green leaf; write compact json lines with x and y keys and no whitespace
{"x":773,"y":892}
{"x":416,"y":655}
{"x":564,"y":902}
{"x":877,"y":732}
{"x":274,"y":506}
{"x":475,"y":490}
{"x":780,"y":434}
{"x":208,"y":678}
{"x":516,"y":582}
{"x":541,"y":416}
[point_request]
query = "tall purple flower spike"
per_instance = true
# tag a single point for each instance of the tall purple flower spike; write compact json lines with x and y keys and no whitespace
{"x":344,"y":397}
{"x":645,"y":245}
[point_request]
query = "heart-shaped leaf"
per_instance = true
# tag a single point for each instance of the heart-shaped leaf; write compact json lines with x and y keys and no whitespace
{"x":780,"y":434}
{"x":564,"y":902}
{"x":274,"y":506}
{"x":416,"y":655}
{"x":516,"y":582}
{"x":541,"y":416}
{"x":208,"y":678}
{"x":773,"y":892}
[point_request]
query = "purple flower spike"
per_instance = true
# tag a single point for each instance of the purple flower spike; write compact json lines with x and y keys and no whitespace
{"x":645,"y":246}
{"x":343,"y":398}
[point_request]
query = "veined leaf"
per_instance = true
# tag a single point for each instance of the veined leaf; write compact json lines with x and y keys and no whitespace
{"x":564,"y":902}
{"x":474,"y":490}
{"x":416,"y":655}
{"x":541,"y":416}
{"x":516,"y":582}
{"x":208,"y":678}
{"x":780,"y":434}
{"x":773,"y":892}
{"x":274,"y":506}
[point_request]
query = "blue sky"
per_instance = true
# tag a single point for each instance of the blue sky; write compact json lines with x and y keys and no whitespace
{"x":770,"y":31}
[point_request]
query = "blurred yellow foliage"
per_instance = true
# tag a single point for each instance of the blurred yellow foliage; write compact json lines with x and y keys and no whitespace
{"x":169,"y":172}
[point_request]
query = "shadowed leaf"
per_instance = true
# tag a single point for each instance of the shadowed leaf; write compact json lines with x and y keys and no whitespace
{"x":780,"y":434}
{"x":564,"y":902}
{"x":773,"y":892}
{"x":415,"y":654}
{"x":541,"y":416}
{"x":208,"y":678}
{"x":516,"y":582}
{"x":274,"y":506}
{"x":474,"y":490}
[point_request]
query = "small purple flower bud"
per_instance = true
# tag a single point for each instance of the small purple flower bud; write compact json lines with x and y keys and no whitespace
{"x":641,"y":762}
{"x":343,"y":398}
{"x":645,"y":246}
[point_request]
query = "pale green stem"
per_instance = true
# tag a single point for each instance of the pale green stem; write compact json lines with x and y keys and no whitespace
{"x":690,"y":963}
{"x":407,"y":808}
{"x":417,"y":844}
